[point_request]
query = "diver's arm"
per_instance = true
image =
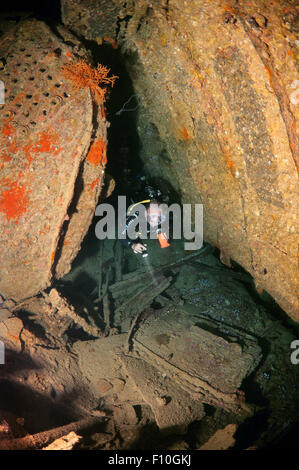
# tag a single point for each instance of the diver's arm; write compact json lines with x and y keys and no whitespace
{"x":136,"y":246}
{"x":125,"y":242}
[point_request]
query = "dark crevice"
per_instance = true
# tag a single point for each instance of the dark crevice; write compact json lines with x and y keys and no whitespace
{"x":72,"y":208}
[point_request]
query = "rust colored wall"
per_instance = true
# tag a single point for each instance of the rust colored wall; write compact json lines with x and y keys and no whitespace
{"x":49,"y":186}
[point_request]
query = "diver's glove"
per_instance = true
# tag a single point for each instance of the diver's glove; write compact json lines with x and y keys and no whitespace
{"x":138,"y":247}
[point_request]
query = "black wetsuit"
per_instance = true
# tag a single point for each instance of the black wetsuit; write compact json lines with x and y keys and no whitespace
{"x":127,"y":242}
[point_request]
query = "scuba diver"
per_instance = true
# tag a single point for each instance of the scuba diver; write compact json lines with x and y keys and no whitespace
{"x":154,"y":217}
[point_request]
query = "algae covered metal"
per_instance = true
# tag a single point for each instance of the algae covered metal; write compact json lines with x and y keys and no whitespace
{"x":50,"y":179}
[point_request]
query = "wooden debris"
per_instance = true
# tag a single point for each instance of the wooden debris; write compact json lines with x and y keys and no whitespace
{"x":129,"y":284}
{"x":140,"y":278}
{"x":67,"y":442}
{"x":106,"y":311}
{"x":41,"y":439}
{"x":141,"y":300}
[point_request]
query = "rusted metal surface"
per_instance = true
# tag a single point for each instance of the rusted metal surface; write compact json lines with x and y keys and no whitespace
{"x":98,"y":20}
{"x":49,"y":184}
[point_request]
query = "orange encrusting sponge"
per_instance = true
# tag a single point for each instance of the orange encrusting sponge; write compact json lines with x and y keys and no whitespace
{"x":163,"y":240}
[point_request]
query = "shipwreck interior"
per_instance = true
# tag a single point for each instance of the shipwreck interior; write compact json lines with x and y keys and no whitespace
{"x":187,"y":102}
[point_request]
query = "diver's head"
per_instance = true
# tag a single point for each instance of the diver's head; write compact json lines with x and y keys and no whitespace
{"x":154,"y":213}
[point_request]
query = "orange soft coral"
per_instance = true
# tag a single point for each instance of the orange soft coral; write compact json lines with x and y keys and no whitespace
{"x":83,"y":75}
{"x":97,"y":153}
